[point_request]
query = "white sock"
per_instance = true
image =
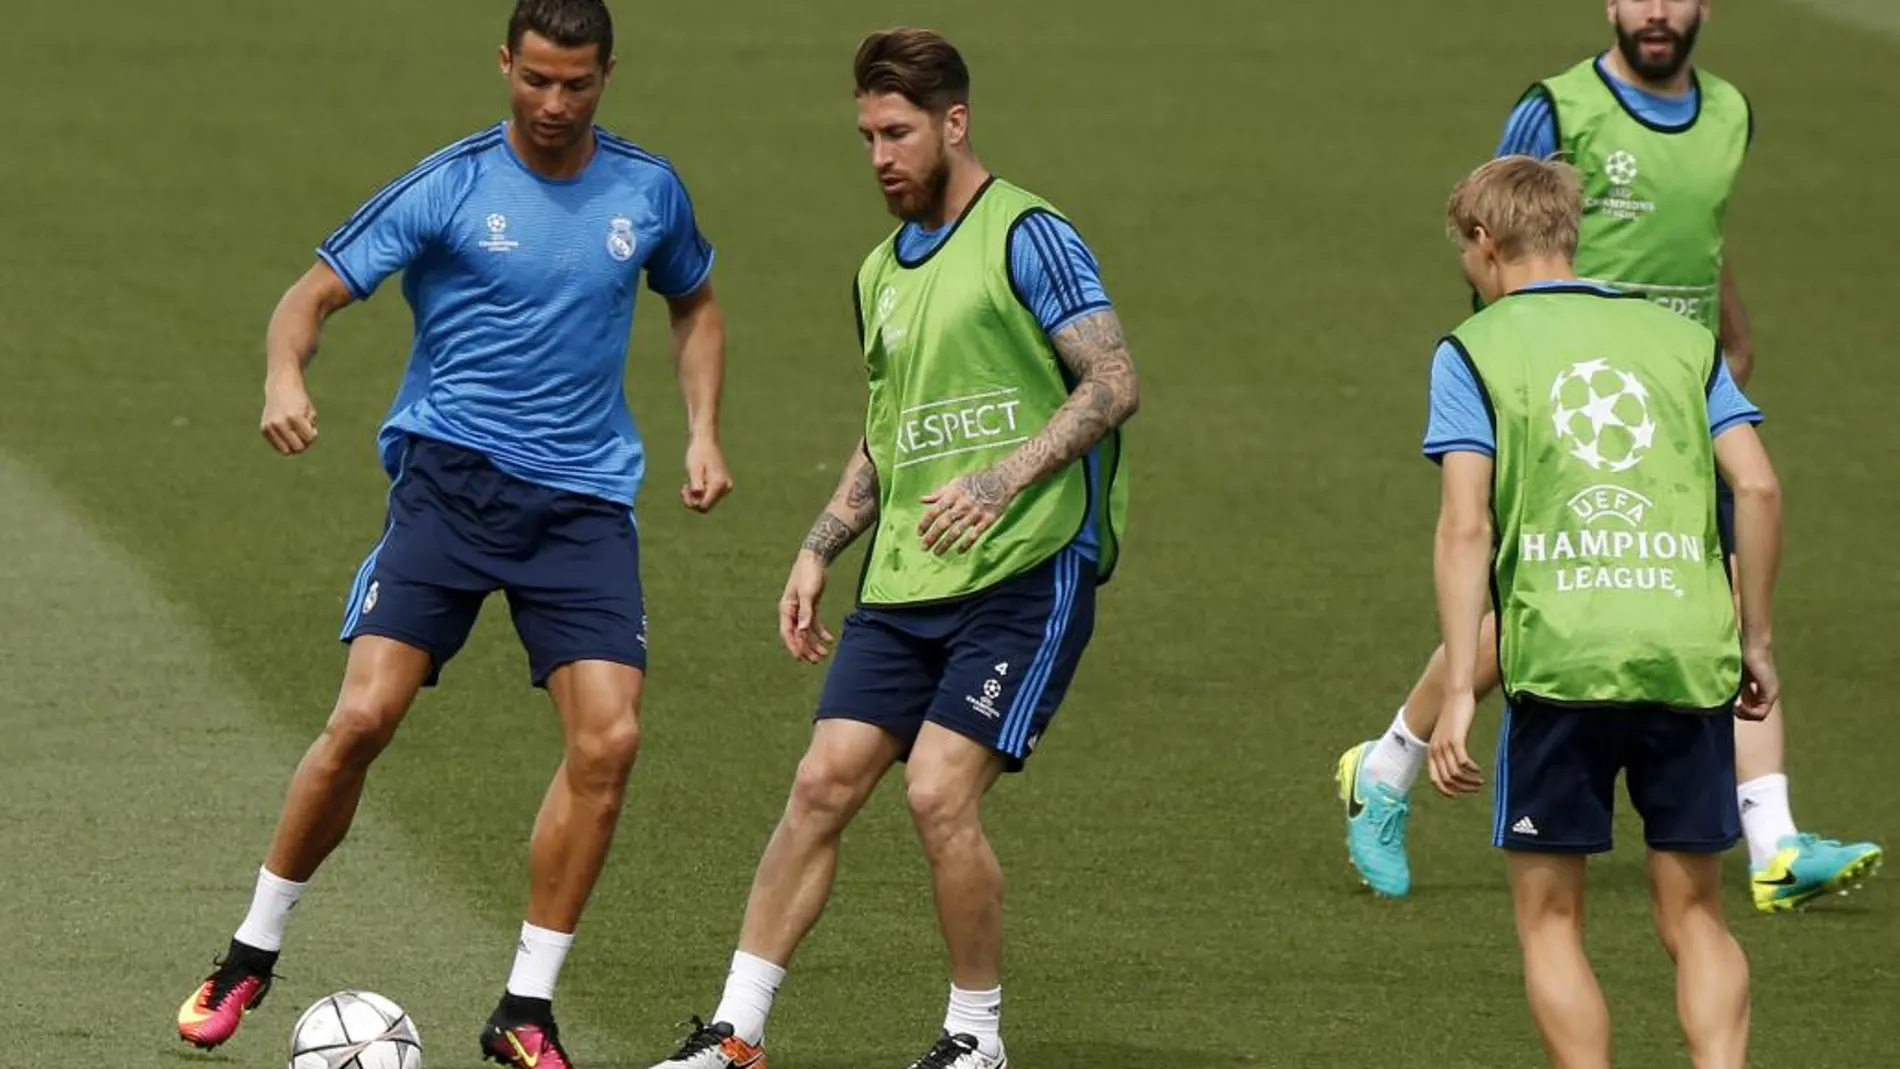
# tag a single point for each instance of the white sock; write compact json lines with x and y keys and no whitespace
{"x":538,"y":959}
{"x":979,"y":1014}
{"x":1766,"y":818}
{"x":271,"y":904}
{"x":751,"y":985}
{"x":1398,"y":757}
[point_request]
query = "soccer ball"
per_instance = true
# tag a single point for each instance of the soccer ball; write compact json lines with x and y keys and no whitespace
{"x":355,"y":1030}
{"x":1601,"y":415}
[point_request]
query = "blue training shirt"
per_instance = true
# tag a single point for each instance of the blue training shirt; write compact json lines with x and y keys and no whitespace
{"x":523,"y":292}
{"x":1531,"y":129}
{"x":1049,"y":263}
{"x":1458,"y":422}
{"x":1057,"y":276}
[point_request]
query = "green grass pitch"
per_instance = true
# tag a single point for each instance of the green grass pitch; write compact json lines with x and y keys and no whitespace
{"x":1263,"y":182}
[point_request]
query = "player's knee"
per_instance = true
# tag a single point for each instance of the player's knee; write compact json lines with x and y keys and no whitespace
{"x":361,"y":725}
{"x":1686,"y":914}
{"x":1549,"y":911}
{"x":940,"y":808}
{"x":824,"y":791}
{"x":601,"y":755}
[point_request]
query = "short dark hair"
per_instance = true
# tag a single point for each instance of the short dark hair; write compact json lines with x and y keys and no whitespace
{"x":568,"y":23}
{"x":919,"y":65}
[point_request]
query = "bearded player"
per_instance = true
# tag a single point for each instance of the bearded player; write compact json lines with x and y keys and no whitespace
{"x":1660,"y":144}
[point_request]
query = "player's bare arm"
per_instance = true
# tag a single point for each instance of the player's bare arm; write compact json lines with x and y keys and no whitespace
{"x":699,"y":358}
{"x":1738,"y":342}
{"x":296,"y":328}
{"x":1462,"y":573}
{"x":1107,"y":393}
{"x":850,"y":512}
{"x":1744,"y":465}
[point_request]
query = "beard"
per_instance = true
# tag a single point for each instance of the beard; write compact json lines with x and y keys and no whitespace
{"x":1681,"y":45}
{"x":918,"y":201}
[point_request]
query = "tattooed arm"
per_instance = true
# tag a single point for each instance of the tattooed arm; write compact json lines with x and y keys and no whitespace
{"x":851,"y":511}
{"x":1106,"y":394}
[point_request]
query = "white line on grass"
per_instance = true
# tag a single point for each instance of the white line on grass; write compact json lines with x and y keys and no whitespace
{"x":138,"y":786}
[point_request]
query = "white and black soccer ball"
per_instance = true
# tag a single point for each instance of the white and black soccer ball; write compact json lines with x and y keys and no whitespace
{"x":355,"y":1030}
{"x":1601,"y":415}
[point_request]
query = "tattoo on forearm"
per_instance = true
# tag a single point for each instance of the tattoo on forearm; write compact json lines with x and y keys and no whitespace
{"x":834,"y":531}
{"x":1096,"y":353}
{"x":829,"y":536}
{"x":861,"y":496}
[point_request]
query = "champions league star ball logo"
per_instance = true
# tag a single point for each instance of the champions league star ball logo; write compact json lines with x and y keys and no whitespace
{"x":1620,"y":168}
{"x":1602,"y":415}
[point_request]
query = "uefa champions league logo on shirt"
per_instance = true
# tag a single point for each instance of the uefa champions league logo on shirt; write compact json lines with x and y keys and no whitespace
{"x":1620,"y":168}
{"x":1620,"y":171}
{"x":498,"y":239}
{"x":1606,"y":539}
{"x":620,"y":240}
{"x":1602,"y":414}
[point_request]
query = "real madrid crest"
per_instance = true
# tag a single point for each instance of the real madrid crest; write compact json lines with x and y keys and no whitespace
{"x":620,"y":241}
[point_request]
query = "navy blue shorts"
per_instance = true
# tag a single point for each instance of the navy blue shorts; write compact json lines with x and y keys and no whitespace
{"x":1556,"y":778}
{"x":992,"y":667}
{"x":459,"y":529}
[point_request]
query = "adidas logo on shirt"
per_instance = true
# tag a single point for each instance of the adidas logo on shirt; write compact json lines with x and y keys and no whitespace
{"x":1525,"y":827}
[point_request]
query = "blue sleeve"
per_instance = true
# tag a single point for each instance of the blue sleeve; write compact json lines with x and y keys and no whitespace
{"x":1728,"y":406}
{"x":1459,"y":421}
{"x":1532,"y":128}
{"x":1053,"y":271}
{"x":685,"y":258}
{"x":396,"y":225}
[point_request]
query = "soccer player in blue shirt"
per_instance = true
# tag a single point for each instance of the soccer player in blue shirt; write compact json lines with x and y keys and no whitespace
{"x":514,"y":463}
{"x":1650,"y":72}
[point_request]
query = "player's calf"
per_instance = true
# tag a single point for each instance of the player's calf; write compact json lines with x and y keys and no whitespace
{"x":324,"y":791}
{"x":1566,"y":1002}
{"x":380,"y":682}
{"x":1711,"y":969}
{"x":846,"y":760}
{"x":598,"y":703}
